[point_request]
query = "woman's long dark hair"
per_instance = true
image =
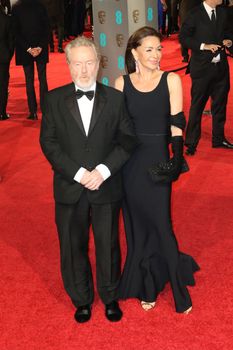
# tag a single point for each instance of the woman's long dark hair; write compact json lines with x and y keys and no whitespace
{"x":134,"y":41}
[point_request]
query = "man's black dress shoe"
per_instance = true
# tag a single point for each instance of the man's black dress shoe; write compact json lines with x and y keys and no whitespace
{"x":4,"y":116}
{"x":223,"y":144}
{"x":190,"y":151}
{"x":113,"y":312}
{"x":83,"y":313}
{"x":32,"y":116}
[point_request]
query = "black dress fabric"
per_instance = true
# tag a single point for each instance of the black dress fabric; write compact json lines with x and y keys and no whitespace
{"x":153,"y":257}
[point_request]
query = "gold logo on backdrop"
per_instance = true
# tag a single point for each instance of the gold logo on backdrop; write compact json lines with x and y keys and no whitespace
{"x":136,"y":14}
{"x":120,"y":40}
{"x":104,"y":62}
{"x":102,"y":16}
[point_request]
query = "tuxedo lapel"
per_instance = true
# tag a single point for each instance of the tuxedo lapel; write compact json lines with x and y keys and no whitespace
{"x":72,"y":105}
{"x":100,"y":101}
{"x":213,"y":25}
{"x":204,"y":14}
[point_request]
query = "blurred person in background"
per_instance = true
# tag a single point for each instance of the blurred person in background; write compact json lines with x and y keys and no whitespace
{"x":206,"y":31}
{"x":6,"y":53}
{"x":56,"y":12}
{"x":185,"y":7}
{"x":78,"y":15}
{"x":6,"y":5}
{"x":31,"y":28}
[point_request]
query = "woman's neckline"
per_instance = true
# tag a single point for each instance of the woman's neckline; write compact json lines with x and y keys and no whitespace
{"x":146,"y":92}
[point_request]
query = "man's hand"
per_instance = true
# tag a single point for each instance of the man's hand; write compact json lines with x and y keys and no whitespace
{"x":92,"y":180}
{"x":212,"y":47}
{"x":227,"y":42}
{"x":35,"y":51}
{"x":85,"y":178}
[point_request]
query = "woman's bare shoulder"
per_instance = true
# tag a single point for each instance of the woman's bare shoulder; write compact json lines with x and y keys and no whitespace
{"x":173,"y":78}
{"x":174,"y":81}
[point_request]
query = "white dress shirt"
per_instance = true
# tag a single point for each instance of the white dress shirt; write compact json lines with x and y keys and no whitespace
{"x":85,"y":107}
{"x":209,"y":10}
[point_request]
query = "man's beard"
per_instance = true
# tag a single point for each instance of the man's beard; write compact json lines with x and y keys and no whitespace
{"x":87,"y":84}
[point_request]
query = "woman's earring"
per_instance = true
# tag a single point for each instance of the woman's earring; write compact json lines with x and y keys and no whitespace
{"x":158,"y":67}
{"x":136,"y":66}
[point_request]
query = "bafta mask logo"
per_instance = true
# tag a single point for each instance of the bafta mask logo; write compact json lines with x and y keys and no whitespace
{"x":102,"y":16}
{"x":104,"y":62}
{"x":136,"y":14}
{"x":120,"y":40}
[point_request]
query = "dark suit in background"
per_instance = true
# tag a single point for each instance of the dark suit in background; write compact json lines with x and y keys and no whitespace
{"x":172,"y":16}
{"x":56,"y":12}
{"x":230,"y":16}
{"x":208,"y":79}
{"x":185,"y":6}
{"x":31,"y":26}
{"x":6,"y":4}
{"x":78,"y":15}
{"x":6,"y":52}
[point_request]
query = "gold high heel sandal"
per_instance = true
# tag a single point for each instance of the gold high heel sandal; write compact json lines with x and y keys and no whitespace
{"x":147,"y":305}
{"x":186,"y":312}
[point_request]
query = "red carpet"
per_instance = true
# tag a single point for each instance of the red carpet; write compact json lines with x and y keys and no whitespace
{"x":36,"y":314}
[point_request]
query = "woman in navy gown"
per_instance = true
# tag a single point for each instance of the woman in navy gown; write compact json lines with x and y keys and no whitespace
{"x":154,"y":101}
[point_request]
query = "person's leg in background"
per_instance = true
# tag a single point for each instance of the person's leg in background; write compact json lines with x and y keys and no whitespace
{"x":60,"y":32}
{"x":42,"y":76}
{"x":4,"y":83}
{"x":30,"y":90}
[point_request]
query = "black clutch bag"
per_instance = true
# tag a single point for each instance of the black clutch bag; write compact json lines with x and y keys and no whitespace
{"x":156,"y":176}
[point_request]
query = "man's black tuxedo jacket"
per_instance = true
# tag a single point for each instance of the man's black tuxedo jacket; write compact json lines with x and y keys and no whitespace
{"x":185,"y":6}
{"x":55,"y":8}
{"x":197,"y":29}
{"x":110,"y":141}
{"x":31,"y":27}
{"x":6,"y":38}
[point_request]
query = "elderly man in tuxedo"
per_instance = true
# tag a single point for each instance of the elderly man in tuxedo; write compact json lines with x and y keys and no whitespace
{"x":87,"y":136}
{"x":206,"y":32}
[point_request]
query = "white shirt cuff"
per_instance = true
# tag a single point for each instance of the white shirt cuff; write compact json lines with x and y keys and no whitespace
{"x":79,"y":174}
{"x":202,"y":46}
{"x":104,"y":171}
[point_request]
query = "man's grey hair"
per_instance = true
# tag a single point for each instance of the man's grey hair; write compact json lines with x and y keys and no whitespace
{"x":81,"y":41}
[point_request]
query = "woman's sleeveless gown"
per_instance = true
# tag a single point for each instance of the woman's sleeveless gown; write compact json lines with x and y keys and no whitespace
{"x":153,"y":257}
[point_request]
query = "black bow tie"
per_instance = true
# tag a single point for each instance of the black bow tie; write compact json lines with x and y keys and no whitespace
{"x":89,"y":94}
